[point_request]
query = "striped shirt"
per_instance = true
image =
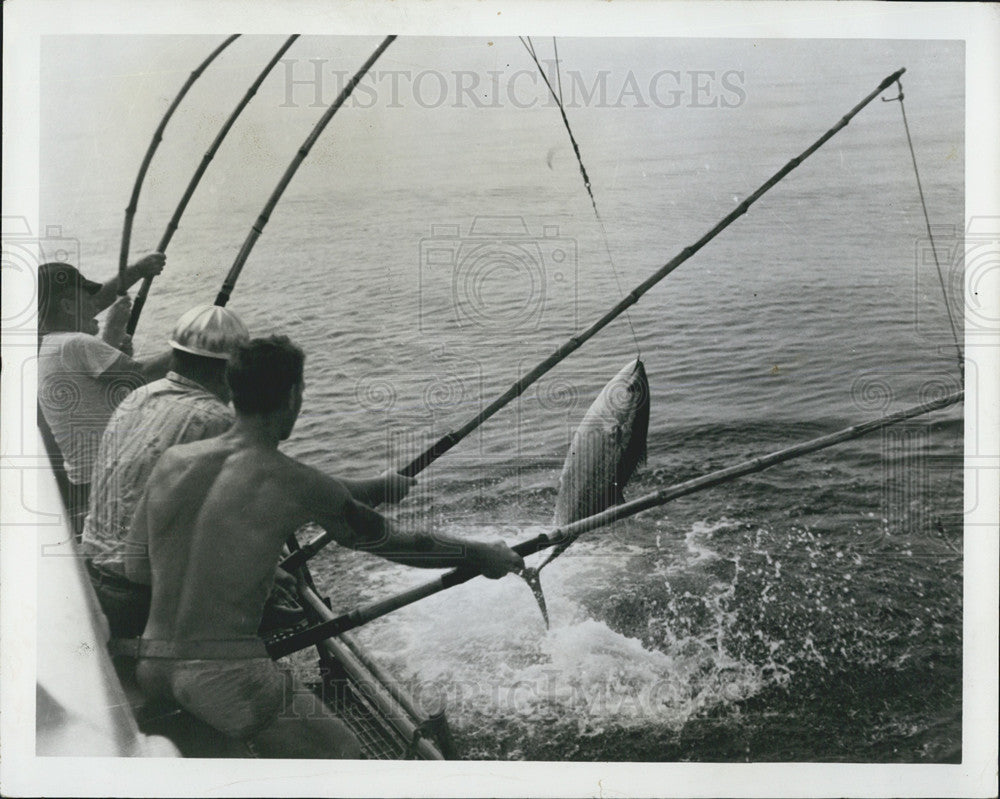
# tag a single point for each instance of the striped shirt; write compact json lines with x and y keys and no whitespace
{"x":174,"y":410}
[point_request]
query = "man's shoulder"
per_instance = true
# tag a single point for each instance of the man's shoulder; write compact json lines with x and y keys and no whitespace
{"x":184,"y":389}
{"x":139,"y":395}
{"x":196,"y":449}
{"x":279,"y":471}
{"x":187,"y":453}
{"x":78,"y":352}
{"x":70,"y":342}
{"x":304,"y":480}
{"x":295,"y":467}
{"x":60,"y":337}
{"x":171,"y":396}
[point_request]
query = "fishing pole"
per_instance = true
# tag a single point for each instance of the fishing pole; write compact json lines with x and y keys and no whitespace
{"x":143,"y":293}
{"x":157,"y":138}
{"x":258,"y":227}
{"x":565,"y":535}
{"x":558,"y":98}
{"x":449,"y":440}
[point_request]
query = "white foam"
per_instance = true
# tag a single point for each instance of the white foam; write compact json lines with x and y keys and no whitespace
{"x":483,"y":650}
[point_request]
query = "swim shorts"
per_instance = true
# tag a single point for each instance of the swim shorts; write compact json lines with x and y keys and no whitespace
{"x":239,"y":698}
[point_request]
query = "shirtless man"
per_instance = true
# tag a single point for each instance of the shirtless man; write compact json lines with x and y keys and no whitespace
{"x":214,"y":518}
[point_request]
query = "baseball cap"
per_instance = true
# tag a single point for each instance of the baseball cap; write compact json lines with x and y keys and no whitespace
{"x":57,"y":280}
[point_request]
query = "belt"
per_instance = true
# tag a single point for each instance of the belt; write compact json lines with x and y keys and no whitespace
{"x":209,"y":649}
{"x":102,"y":576}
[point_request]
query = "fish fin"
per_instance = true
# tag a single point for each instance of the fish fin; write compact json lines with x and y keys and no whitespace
{"x":531,"y":577}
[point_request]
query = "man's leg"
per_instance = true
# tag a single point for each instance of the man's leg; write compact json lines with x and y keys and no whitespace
{"x":305,"y":728}
{"x":321,"y":736}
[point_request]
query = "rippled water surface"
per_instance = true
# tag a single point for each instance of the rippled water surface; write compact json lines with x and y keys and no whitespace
{"x":810,"y":612}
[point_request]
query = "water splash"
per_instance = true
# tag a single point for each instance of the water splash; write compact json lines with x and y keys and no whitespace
{"x":483,"y":651}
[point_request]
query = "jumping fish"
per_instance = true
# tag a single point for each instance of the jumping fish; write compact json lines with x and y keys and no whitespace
{"x":606,"y":449}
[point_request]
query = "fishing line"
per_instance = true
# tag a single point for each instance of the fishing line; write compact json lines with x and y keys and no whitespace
{"x":555,"y":51}
{"x":927,"y":222}
{"x":530,"y":47}
{"x":445,"y":443}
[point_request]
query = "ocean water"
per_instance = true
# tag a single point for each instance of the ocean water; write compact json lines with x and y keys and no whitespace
{"x":427,"y":255}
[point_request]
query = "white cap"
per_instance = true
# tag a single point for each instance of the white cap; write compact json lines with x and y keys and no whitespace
{"x":210,"y":331}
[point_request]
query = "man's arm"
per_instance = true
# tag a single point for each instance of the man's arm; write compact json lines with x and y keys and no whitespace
{"x":388,"y":488}
{"x":126,"y":374}
{"x":150,"y":266}
{"x":119,"y":373}
{"x":424,"y":550}
{"x":357,"y":526}
{"x":155,"y":366}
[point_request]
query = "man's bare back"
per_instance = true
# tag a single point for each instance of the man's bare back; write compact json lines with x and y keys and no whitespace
{"x":216,"y":515}
{"x":208,"y":534}
{"x":217,"y":512}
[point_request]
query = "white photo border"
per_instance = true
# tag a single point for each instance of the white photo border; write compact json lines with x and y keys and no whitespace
{"x":978,"y":26}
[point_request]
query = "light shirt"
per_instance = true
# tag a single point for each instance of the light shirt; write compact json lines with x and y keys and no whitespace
{"x":75,"y":403}
{"x":174,"y":410}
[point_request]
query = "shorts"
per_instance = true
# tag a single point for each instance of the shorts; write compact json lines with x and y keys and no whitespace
{"x":240,"y":697}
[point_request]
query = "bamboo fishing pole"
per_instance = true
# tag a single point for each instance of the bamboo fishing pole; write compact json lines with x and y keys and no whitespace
{"x":147,"y":159}
{"x":258,"y":227}
{"x":446,"y":442}
{"x":565,"y":535}
{"x":449,"y":440}
{"x":143,"y":293}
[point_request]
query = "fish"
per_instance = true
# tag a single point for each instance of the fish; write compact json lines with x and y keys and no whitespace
{"x":607,"y":448}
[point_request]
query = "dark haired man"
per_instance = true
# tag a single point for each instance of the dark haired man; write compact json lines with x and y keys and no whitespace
{"x":81,"y":378}
{"x":214,"y":518}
